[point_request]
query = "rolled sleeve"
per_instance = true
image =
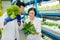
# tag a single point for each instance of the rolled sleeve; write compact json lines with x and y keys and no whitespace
{"x":8,"y":19}
{"x":18,"y":18}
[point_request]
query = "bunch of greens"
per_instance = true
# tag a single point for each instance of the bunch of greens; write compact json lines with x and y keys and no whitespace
{"x":12,"y":11}
{"x":28,"y":28}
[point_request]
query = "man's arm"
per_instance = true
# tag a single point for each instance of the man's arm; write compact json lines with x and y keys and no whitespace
{"x":18,"y":20}
{"x":8,"y":19}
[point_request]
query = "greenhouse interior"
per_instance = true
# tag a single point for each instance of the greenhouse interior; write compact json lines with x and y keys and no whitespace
{"x":29,"y":19}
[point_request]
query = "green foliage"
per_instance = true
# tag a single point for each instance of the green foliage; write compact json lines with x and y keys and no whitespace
{"x":42,"y":23}
{"x":1,"y":12}
{"x":50,"y":24}
{"x":59,"y":26}
{"x":12,"y":11}
{"x":47,"y":23}
{"x":0,"y":31}
{"x":29,"y":28}
{"x":49,"y":7}
{"x":46,"y":38}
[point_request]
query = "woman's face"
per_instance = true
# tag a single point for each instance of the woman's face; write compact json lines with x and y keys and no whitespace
{"x":31,"y":14}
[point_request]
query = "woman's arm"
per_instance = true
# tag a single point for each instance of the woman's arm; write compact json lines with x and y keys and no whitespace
{"x":38,"y":29}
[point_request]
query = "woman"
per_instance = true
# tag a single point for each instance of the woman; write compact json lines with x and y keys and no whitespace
{"x":37,"y":25}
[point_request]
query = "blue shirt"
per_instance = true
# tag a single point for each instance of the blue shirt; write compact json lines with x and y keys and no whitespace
{"x":18,"y":17}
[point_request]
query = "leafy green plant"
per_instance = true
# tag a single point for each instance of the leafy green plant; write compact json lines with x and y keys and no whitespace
{"x":29,"y":28}
{"x":49,"y":7}
{"x":51,"y":24}
{"x":1,"y":10}
{"x":0,"y":31}
{"x":46,"y":38}
{"x":42,"y":23}
{"x":47,"y":23}
{"x":12,"y":11}
{"x":59,"y":26}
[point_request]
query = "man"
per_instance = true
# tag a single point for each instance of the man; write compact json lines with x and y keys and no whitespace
{"x":13,"y":31}
{"x":18,"y":17}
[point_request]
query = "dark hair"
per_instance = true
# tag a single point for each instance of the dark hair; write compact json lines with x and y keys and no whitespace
{"x":33,"y":10}
{"x":20,"y":4}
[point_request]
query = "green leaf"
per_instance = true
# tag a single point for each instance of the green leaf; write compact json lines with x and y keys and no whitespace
{"x":12,"y":11}
{"x":29,"y":28}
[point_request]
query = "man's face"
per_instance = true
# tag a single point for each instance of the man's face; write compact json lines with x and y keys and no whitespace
{"x":21,"y":9}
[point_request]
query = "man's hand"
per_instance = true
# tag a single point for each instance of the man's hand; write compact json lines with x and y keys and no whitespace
{"x":5,"y":23}
{"x":19,"y":23}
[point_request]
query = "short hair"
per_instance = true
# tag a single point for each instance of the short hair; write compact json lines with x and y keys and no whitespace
{"x":20,"y":4}
{"x":33,"y":10}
